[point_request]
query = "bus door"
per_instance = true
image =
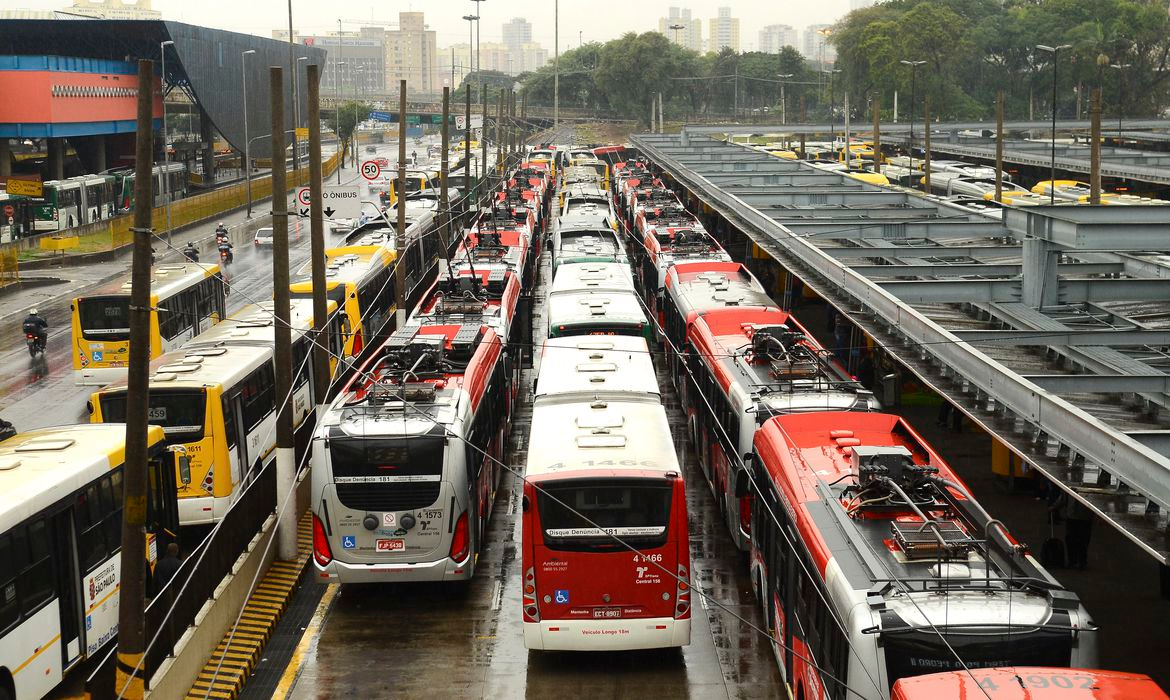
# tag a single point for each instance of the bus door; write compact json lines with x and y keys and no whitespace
{"x":66,"y":581}
{"x":233,"y":425}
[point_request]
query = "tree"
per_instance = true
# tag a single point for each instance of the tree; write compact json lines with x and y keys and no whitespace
{"x":494,"y":79}
{"x":345,"y":120}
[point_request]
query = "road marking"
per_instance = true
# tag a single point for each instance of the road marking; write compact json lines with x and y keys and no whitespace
{"x":293,"y":671}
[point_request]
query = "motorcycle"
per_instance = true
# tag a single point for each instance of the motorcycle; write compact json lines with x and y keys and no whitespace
{"x":225,"y":253}
{"x":36,"y":343}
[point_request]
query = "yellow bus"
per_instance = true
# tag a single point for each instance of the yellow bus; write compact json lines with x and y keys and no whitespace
{"x":216,"y":400}
{"x":360,"y":280}
{"x":596,"y":165}
{"x":61,"y":545}
{"x":185,"y":300}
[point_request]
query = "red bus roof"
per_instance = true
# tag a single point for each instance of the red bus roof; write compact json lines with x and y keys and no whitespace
{"x":1027,"y":683}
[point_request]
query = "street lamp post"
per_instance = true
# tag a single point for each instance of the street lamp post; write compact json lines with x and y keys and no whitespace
{"x":832,"y":107}
{"x":478,"y":63}
{"x":296,"y":107}
{"x":247,"y":144}
{"x":913,"y":89}
{"x":1120,"y":68}
{"x":341,"y":150}
{"x":677,"y":27}
{"x":783,"y":100}
{"x":556,"y":66}
{"x":166,"y":176}
{"x":1055,"y":51}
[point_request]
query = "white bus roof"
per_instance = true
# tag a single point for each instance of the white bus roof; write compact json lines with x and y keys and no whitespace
{"x":202,"y":367}
{"x":600,"y":438}
{"x":594,"y":276}
{"x":256,"y":322}
{"x":165,"y":280}
{"x":348,"y":264}
{"x":40,"y":467}
{"x":595,"y":307}
{"x":595,"y":365}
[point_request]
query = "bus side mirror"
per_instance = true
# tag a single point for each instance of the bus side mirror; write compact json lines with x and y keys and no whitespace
{"x":524,"y":504}
{"x":184,"y":464}
{"x":742,"y":484}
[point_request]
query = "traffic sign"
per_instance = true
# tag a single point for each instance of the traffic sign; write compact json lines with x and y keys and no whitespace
{"x":371,"y":170}
{"x":381,"y":116}
{"x":9,"y":210}
{"x":25,"y":185}
{"x":340,"y":201}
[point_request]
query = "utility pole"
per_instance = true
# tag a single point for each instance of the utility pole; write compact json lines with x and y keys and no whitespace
{"x":292,"y":69}
{"x":321,"y":378}
{"x":286,"y":459}
{"x":1095,"y":147}
{"x":400,"y":233}
{"x":877,"y":132}
{"x":132,"y":597}
{"x":483,"y":131}
{"x":498,"y":131}
{"x":557,"y":66}
{"x":467,"y":188}
{"x":444,"y":172}
{"x":848,"y":150}
{"x":926,"y":155}
{"x":661,"y":116}
{"x":999,"y":146}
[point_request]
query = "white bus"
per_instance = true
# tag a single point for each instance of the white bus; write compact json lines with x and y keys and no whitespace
{"x":60,"y":545}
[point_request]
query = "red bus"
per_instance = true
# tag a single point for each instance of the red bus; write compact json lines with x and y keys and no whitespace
{"x":1029,"y":683}
{"x":746,"y":364}
{"x":602,"y":478}
{"x":873,"y":563}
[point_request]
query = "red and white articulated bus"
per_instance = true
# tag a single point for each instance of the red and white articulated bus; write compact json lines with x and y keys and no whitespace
{"x":464,"y":296}
{"x":605,"y":560}
{"x":665,"y":245}
{"x":1029,"y":683}
{"x":873,"y":563}
{"x":745,"y":365}
{"x":406,"y":460}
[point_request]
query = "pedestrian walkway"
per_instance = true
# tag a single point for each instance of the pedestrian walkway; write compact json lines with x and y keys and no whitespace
{"x":224,"y":674}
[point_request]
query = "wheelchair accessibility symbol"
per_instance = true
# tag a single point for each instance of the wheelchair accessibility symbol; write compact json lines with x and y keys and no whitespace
{"x":349,"y":541}
{"x":561,"y":597}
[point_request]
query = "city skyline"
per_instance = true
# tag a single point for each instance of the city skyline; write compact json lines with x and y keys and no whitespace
{"x":444,"y":17}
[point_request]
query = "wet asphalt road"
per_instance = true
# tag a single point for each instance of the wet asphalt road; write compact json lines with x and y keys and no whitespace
{"x":40,"y":392}
{"x":464,"y":641}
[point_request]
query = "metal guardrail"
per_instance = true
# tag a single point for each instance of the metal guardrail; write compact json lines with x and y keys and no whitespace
{"x":205,"y":568}
{"x":1125,"y":458}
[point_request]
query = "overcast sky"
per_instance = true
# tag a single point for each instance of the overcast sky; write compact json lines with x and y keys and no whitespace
{"x":597,"y":20}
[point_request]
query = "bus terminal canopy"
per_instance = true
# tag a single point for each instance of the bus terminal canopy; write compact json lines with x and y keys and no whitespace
{"x":207,"y":63}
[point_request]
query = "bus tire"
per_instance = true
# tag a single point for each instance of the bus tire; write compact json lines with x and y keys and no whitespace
{"x":7,"y":687}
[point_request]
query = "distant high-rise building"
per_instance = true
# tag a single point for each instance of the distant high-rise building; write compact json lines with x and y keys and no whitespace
{"x":723,"y":31}
{"x":690,"y":36}
{"x":522,"y":53}
{"x":860,"y":4}
{"x":816,"y":46}
{"x":412,"y":55}
{"x":775,"y":37}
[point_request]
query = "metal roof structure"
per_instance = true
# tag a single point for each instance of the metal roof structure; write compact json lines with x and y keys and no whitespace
{"x":1050,"y":329}
{"x":207,"y":63}
{"x":863,"y":126}
{"x":1124,"y":163}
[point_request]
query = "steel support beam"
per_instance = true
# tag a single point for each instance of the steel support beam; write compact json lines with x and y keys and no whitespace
{"x":1101,"y":384}
{"x":983,"y":291}
{"x":973,"y":269}
{"x":1121,"y":338}
{"x":926,"y":251}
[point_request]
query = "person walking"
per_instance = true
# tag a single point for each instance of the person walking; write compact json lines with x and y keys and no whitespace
{"x":1078,"y":530}
{"x":166,"y":568}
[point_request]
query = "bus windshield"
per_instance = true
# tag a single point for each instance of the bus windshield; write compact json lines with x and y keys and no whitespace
{"x":104,"y":318}
{"x":634,"y":510}
{"x":180,"y":413}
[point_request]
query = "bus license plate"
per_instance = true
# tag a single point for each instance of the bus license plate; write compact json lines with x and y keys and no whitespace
{"x":607,"y":613}
{"x":391,"y":545}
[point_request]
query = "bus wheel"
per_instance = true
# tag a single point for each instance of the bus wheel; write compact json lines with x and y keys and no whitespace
{"x":7,"y":688}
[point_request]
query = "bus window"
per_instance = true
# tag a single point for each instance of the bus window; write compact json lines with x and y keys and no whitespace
{"x":105,"y":318}
{"x":36,"y":580}
{"x":259,"y":396}
{"x":638,"y":513}
{"x":176,"y":411}
{"x":92,"y":539}
{"x":9,"y":605}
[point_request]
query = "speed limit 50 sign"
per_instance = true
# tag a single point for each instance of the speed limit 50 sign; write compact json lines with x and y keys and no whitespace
{"x":371,"y":170}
